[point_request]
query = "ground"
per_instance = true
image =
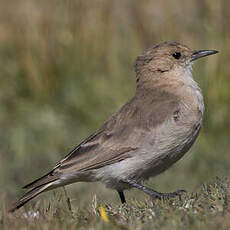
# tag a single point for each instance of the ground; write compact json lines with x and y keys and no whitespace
{"x":208,"y":208}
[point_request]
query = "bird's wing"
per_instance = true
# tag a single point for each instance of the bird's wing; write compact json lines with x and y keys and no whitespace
{"x":118,"y":139}
{"x":122,"y":135}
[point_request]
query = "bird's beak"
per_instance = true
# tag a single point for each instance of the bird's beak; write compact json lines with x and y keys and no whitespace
{"x":202,"y":53}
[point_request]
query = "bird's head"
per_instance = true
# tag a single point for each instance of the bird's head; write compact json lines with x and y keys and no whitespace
{"x":166,"y":57}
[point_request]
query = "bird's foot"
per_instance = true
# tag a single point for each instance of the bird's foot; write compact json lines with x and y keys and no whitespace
{"x":159,"y":195}
{"x":152,"y":193}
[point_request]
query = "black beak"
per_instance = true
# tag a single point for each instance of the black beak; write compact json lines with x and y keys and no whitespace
{"x":202,"y":53}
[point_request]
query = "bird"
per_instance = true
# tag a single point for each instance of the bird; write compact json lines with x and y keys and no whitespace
{"x":149,"y":133}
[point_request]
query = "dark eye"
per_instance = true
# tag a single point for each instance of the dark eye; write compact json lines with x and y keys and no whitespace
{"x":176,"y":55}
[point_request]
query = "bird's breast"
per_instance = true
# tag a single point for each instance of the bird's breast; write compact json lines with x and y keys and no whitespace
{"x":168,"y":142}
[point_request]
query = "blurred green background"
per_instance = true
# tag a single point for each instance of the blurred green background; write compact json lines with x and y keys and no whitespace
{"x":67,"y":65}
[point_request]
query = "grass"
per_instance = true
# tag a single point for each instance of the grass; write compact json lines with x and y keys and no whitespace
{"x":208,"y":208}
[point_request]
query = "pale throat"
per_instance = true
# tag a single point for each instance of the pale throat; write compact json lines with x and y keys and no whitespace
{"x":186,"y":76}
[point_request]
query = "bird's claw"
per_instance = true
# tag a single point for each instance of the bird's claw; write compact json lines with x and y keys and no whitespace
{"x":168,"y":195}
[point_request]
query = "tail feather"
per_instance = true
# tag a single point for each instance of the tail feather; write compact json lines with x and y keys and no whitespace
{"x":49,"y":177}
{"x":30,"y":195}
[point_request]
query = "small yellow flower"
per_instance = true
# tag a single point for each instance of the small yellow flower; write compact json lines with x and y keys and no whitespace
{"x":103,"y":213}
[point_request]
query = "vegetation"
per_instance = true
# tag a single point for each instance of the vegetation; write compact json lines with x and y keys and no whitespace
{"x":209,"y":208}
{"x":66,"y":66}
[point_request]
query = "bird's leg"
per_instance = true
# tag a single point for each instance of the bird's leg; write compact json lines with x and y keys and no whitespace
{"x":154,"y":194}
{"x":122,"y":196}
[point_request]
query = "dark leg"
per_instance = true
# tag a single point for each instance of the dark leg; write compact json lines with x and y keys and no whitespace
{"x":122,"y":197}
{"x":152,"y":193}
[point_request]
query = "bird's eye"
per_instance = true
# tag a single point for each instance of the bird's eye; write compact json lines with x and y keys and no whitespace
{"x":176,"y":55}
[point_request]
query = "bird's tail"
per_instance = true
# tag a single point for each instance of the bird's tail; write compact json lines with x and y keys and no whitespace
{"x":42,"y":184}
{"x":30,"y":195}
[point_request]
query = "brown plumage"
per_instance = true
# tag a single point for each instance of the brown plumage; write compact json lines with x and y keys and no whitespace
{"x":146,"y":136}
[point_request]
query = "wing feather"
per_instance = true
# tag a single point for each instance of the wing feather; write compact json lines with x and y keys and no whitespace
{"x":121,"y":136}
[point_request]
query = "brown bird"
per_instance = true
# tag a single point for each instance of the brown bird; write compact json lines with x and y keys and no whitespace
{"x":146,"y":136}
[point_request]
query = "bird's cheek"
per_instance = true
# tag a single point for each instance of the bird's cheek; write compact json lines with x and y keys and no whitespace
{"x":160,"y":66}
